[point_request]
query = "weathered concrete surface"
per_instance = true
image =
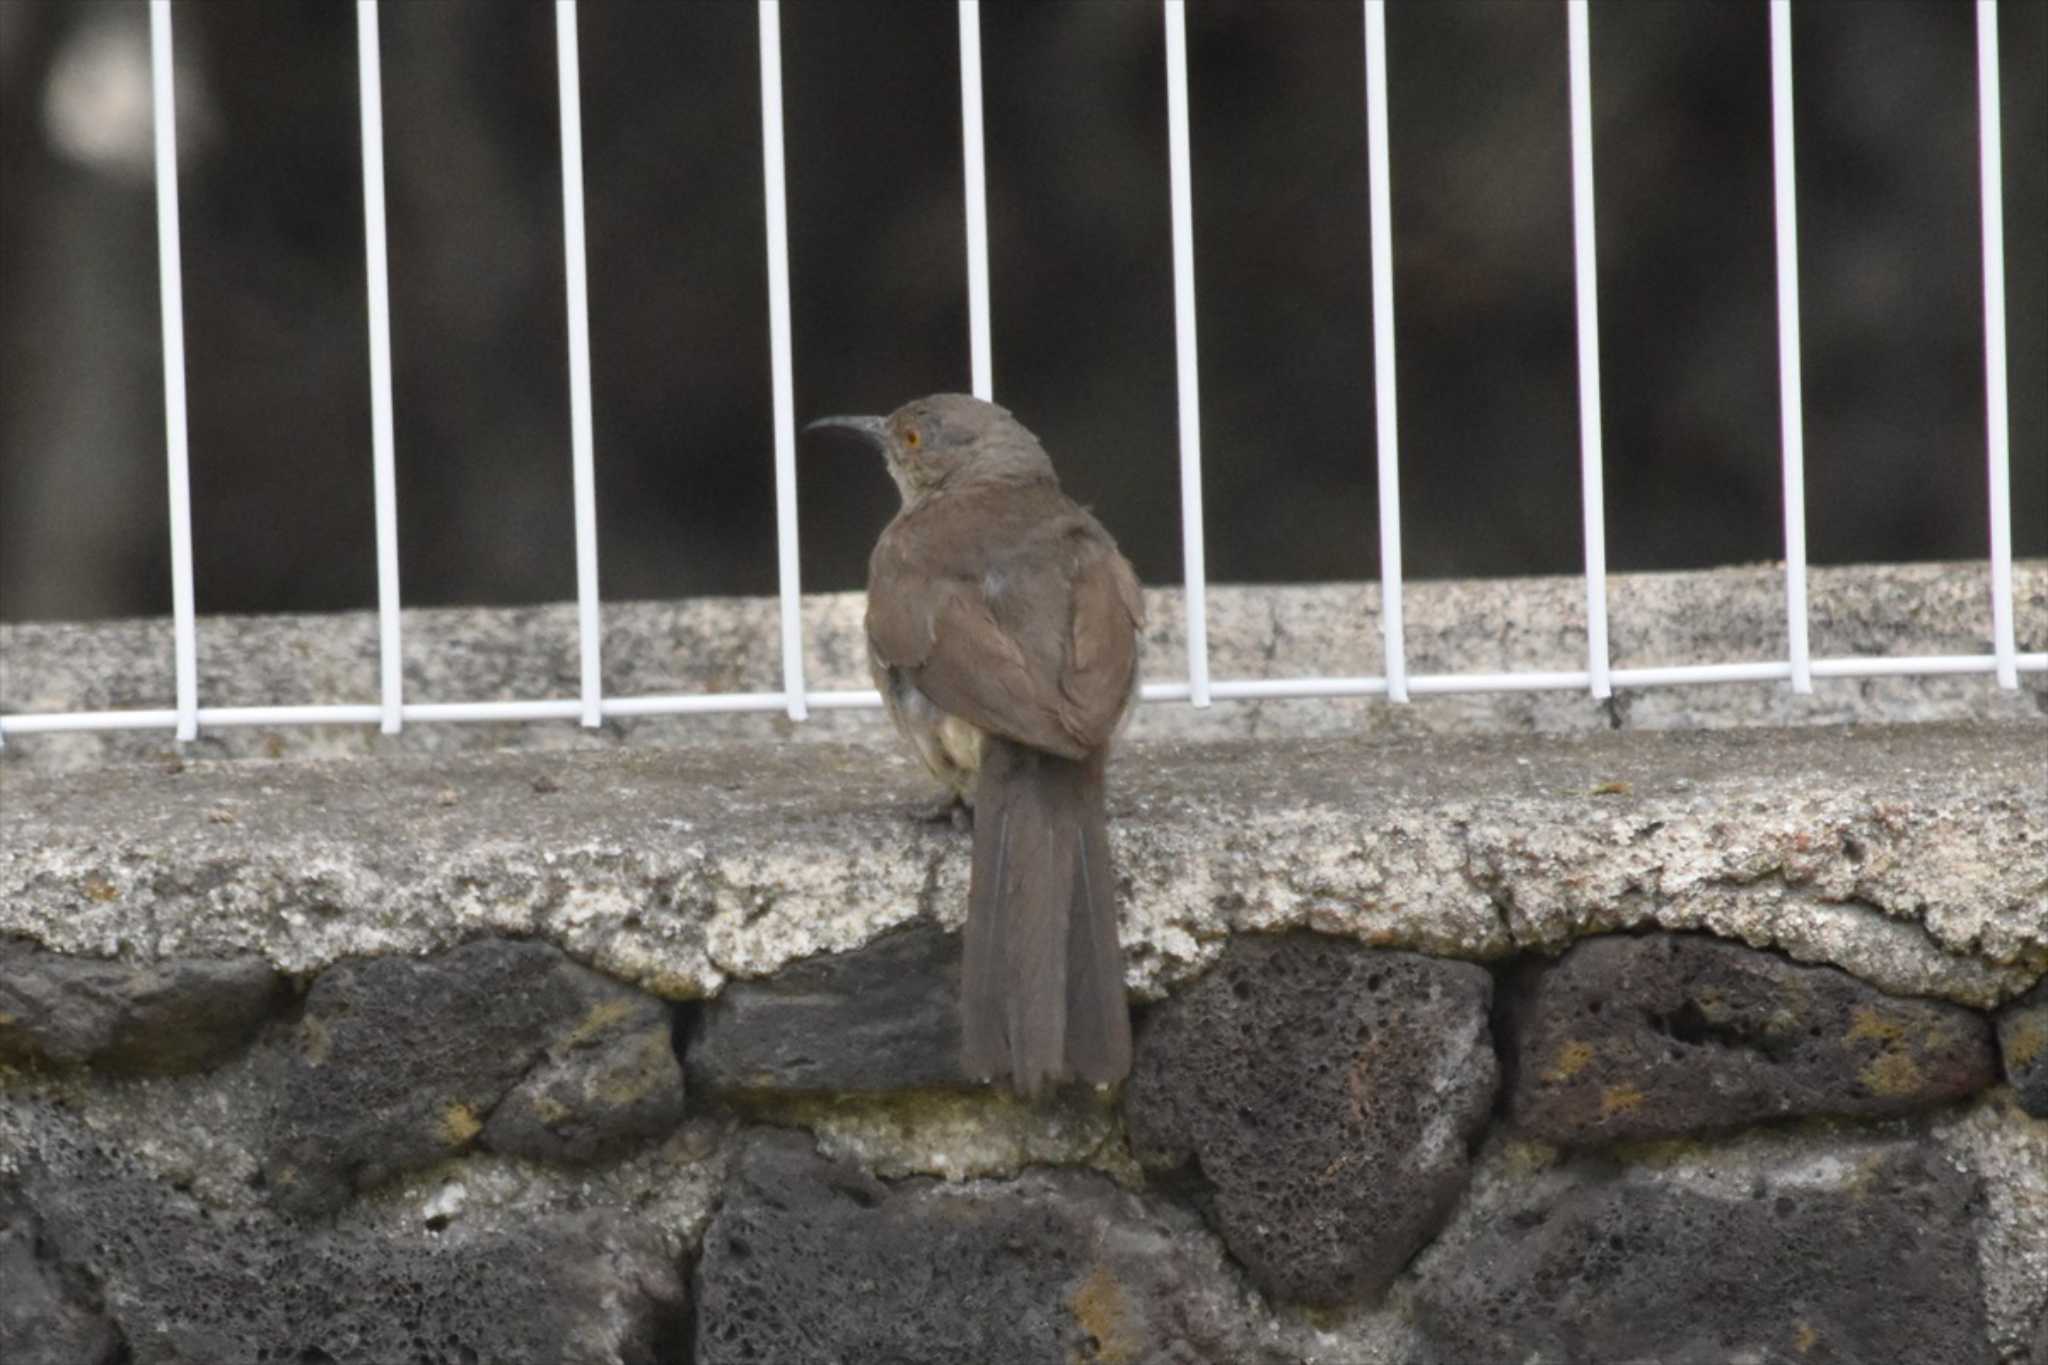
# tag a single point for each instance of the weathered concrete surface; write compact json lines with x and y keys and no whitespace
{"x":1994,"y":1139}
{"x":1330,"y":630}
{"x":1908,"y":856}
{"x":956,"y":1134}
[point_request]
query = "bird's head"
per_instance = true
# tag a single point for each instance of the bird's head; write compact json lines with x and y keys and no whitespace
{"x":945,"y":439}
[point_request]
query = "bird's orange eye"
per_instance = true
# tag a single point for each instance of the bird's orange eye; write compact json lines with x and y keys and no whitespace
{"x":911,"y":438}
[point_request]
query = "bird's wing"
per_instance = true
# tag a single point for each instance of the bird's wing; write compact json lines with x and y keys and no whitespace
{"x":1033,"y":639}
{"x":1102,"y":654}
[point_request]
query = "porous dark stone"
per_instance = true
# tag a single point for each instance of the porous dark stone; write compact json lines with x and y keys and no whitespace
{"x":185,"y":1285}
{"x":399,"y":1062}
{"x":2023,"y":1041}
{"x":608,"y":1083}
{"x":1866,"y":1257}
{"x":1326,"y":1092}
{"x":1662,"y":1035}
{"x":184,"y":1014}
{"x":884,"y":1017}
{"x":47,"y":1317}
{"x":811,"y":1263}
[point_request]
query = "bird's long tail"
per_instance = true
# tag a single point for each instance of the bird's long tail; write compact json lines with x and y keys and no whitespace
{"x":1042,"y":981}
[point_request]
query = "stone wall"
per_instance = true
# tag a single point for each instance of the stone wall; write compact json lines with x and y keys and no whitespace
{"x":1654,"y":1147}
{"x":1613,"y":1046}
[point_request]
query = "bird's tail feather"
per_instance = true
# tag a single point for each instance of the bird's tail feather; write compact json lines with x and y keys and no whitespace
{"x":1042,"y":986}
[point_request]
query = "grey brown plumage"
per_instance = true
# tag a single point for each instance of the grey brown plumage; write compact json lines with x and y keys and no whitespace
{"x":1002,"y":633}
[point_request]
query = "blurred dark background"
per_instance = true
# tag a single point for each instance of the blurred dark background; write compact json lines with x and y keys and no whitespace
{"x":1082,"y":286}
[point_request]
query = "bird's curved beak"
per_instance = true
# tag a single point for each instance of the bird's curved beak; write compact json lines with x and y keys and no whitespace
{"x":875,"y":430}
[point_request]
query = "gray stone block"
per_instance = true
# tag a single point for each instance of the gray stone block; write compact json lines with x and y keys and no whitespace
{"x":607,"y":1083}
{"x":810,"y":1263}
{"x":1327,"y":1093}
{"x":184,"y":1284}
{"x":399,"y":1062}
{"x":2023,"y":1042}
{"x":179,"y":1014}
{"x":1661,"y":1035}
{"x":46,"y":1315}
{"x":884,"y":1017}
{"x":1861,"y":1254}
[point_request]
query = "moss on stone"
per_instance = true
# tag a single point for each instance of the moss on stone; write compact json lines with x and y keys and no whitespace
{"x":457,"y":1124}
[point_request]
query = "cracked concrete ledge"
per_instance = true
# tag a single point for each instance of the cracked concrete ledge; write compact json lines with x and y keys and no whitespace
{"x":730,"y":644}
{"x":1911,"y":856}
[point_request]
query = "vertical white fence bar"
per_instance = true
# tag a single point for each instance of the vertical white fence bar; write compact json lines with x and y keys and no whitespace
{"x":1586,"y":270}
{"x":171,"y":283}
{"x":1384,"y":407}
{"x":1997,"y":430}
{"x":779,"y":358}
{"x":1196,"y":571}
{"x":390,"y":667}
{"x":1791,"y":399}
{"x":976,"y":188}
{"x":580,"y":439}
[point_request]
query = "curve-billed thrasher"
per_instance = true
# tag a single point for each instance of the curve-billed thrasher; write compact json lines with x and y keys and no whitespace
{"x":1002,"y":634}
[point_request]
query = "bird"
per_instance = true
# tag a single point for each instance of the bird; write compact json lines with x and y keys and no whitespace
{"x":1002,"y":631}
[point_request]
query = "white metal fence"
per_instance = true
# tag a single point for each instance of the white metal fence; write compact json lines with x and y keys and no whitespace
{"x":391,"y":711}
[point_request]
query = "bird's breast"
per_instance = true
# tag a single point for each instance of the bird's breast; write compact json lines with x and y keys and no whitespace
{"x":962,"y":742}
